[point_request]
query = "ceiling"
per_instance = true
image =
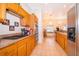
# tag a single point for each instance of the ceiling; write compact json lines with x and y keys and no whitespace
{"x":57,"y":9}
{"x":51,"y":9}
{"x":54,"y":7}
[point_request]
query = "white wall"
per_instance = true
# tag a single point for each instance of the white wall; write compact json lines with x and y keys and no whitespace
{"x":4,"y":29}
{"x":40,"y":28}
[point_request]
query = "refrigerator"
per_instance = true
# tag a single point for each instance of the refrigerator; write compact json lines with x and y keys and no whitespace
{"x":77,"y":30}
{"x":71,"y":31}
{"x":74,"y":50}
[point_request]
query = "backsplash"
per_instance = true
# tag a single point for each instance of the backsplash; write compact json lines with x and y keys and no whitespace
{"x":4,"y":29}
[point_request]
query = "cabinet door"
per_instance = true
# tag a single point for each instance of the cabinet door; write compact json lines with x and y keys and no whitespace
{"x":25,"y":21}
{"x":33,"y":42}
{"x":21,"y":47}
{"x":11,"y":50}
{"x":13,"y":7}
{"x":32,"y":21}
{"x":62,"y":41}
{"x":3,"y":52}
{"x":29,"y":47}
{"x":21,"y":11}
{"x":30,"y":44}
{"x":2,"y":12}
{"x":26,"y":16}
{"x":58,"y":37}
{"x":22,"y":50}
{"x":66,"y":43}
{"x":35,"y":18}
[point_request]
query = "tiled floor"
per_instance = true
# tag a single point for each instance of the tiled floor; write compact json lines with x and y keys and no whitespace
{"x":48,"y":48}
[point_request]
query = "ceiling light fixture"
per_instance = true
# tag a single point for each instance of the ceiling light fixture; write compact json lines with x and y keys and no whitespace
{"x":65,"y":6}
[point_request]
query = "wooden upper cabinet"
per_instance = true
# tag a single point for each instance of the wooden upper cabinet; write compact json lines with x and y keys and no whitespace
{"x":31,"y":21}
{"x":25,"y":21}
{"x":35,"y":18}
{"x":26,"y":16}
{"x":21,"y":11}
{"x":13,"y":7}
{"x":2,"y":12}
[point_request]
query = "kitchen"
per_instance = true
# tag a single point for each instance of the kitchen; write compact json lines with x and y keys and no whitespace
{"x":15,"y":30}
{"x":25,"y":26}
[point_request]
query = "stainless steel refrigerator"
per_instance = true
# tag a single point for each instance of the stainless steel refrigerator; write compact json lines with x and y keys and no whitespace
{"x":71,"y":31}
{"x":74,"y":50}
{"x":77,"y":30}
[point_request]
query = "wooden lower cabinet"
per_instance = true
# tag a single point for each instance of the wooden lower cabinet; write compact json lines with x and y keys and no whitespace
{"x":22,"y":50}
{"x":3,"y":52}
{"x":66,"y":43}
{"x":9,"y":51}
{"x":29,"y":48}
{"x":12,"y":50}
{"x":61,"y":39}
{"x":23,"y":47}
{"x":30,"y":45}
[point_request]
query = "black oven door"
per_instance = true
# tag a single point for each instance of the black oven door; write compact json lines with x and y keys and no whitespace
{"x":71,"y":34}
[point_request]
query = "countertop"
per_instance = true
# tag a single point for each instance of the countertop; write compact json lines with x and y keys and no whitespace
{"x":7,"y":42}
{"x":64,"y":33}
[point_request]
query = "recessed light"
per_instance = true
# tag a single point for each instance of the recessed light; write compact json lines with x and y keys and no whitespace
{"x":65,"y":6}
